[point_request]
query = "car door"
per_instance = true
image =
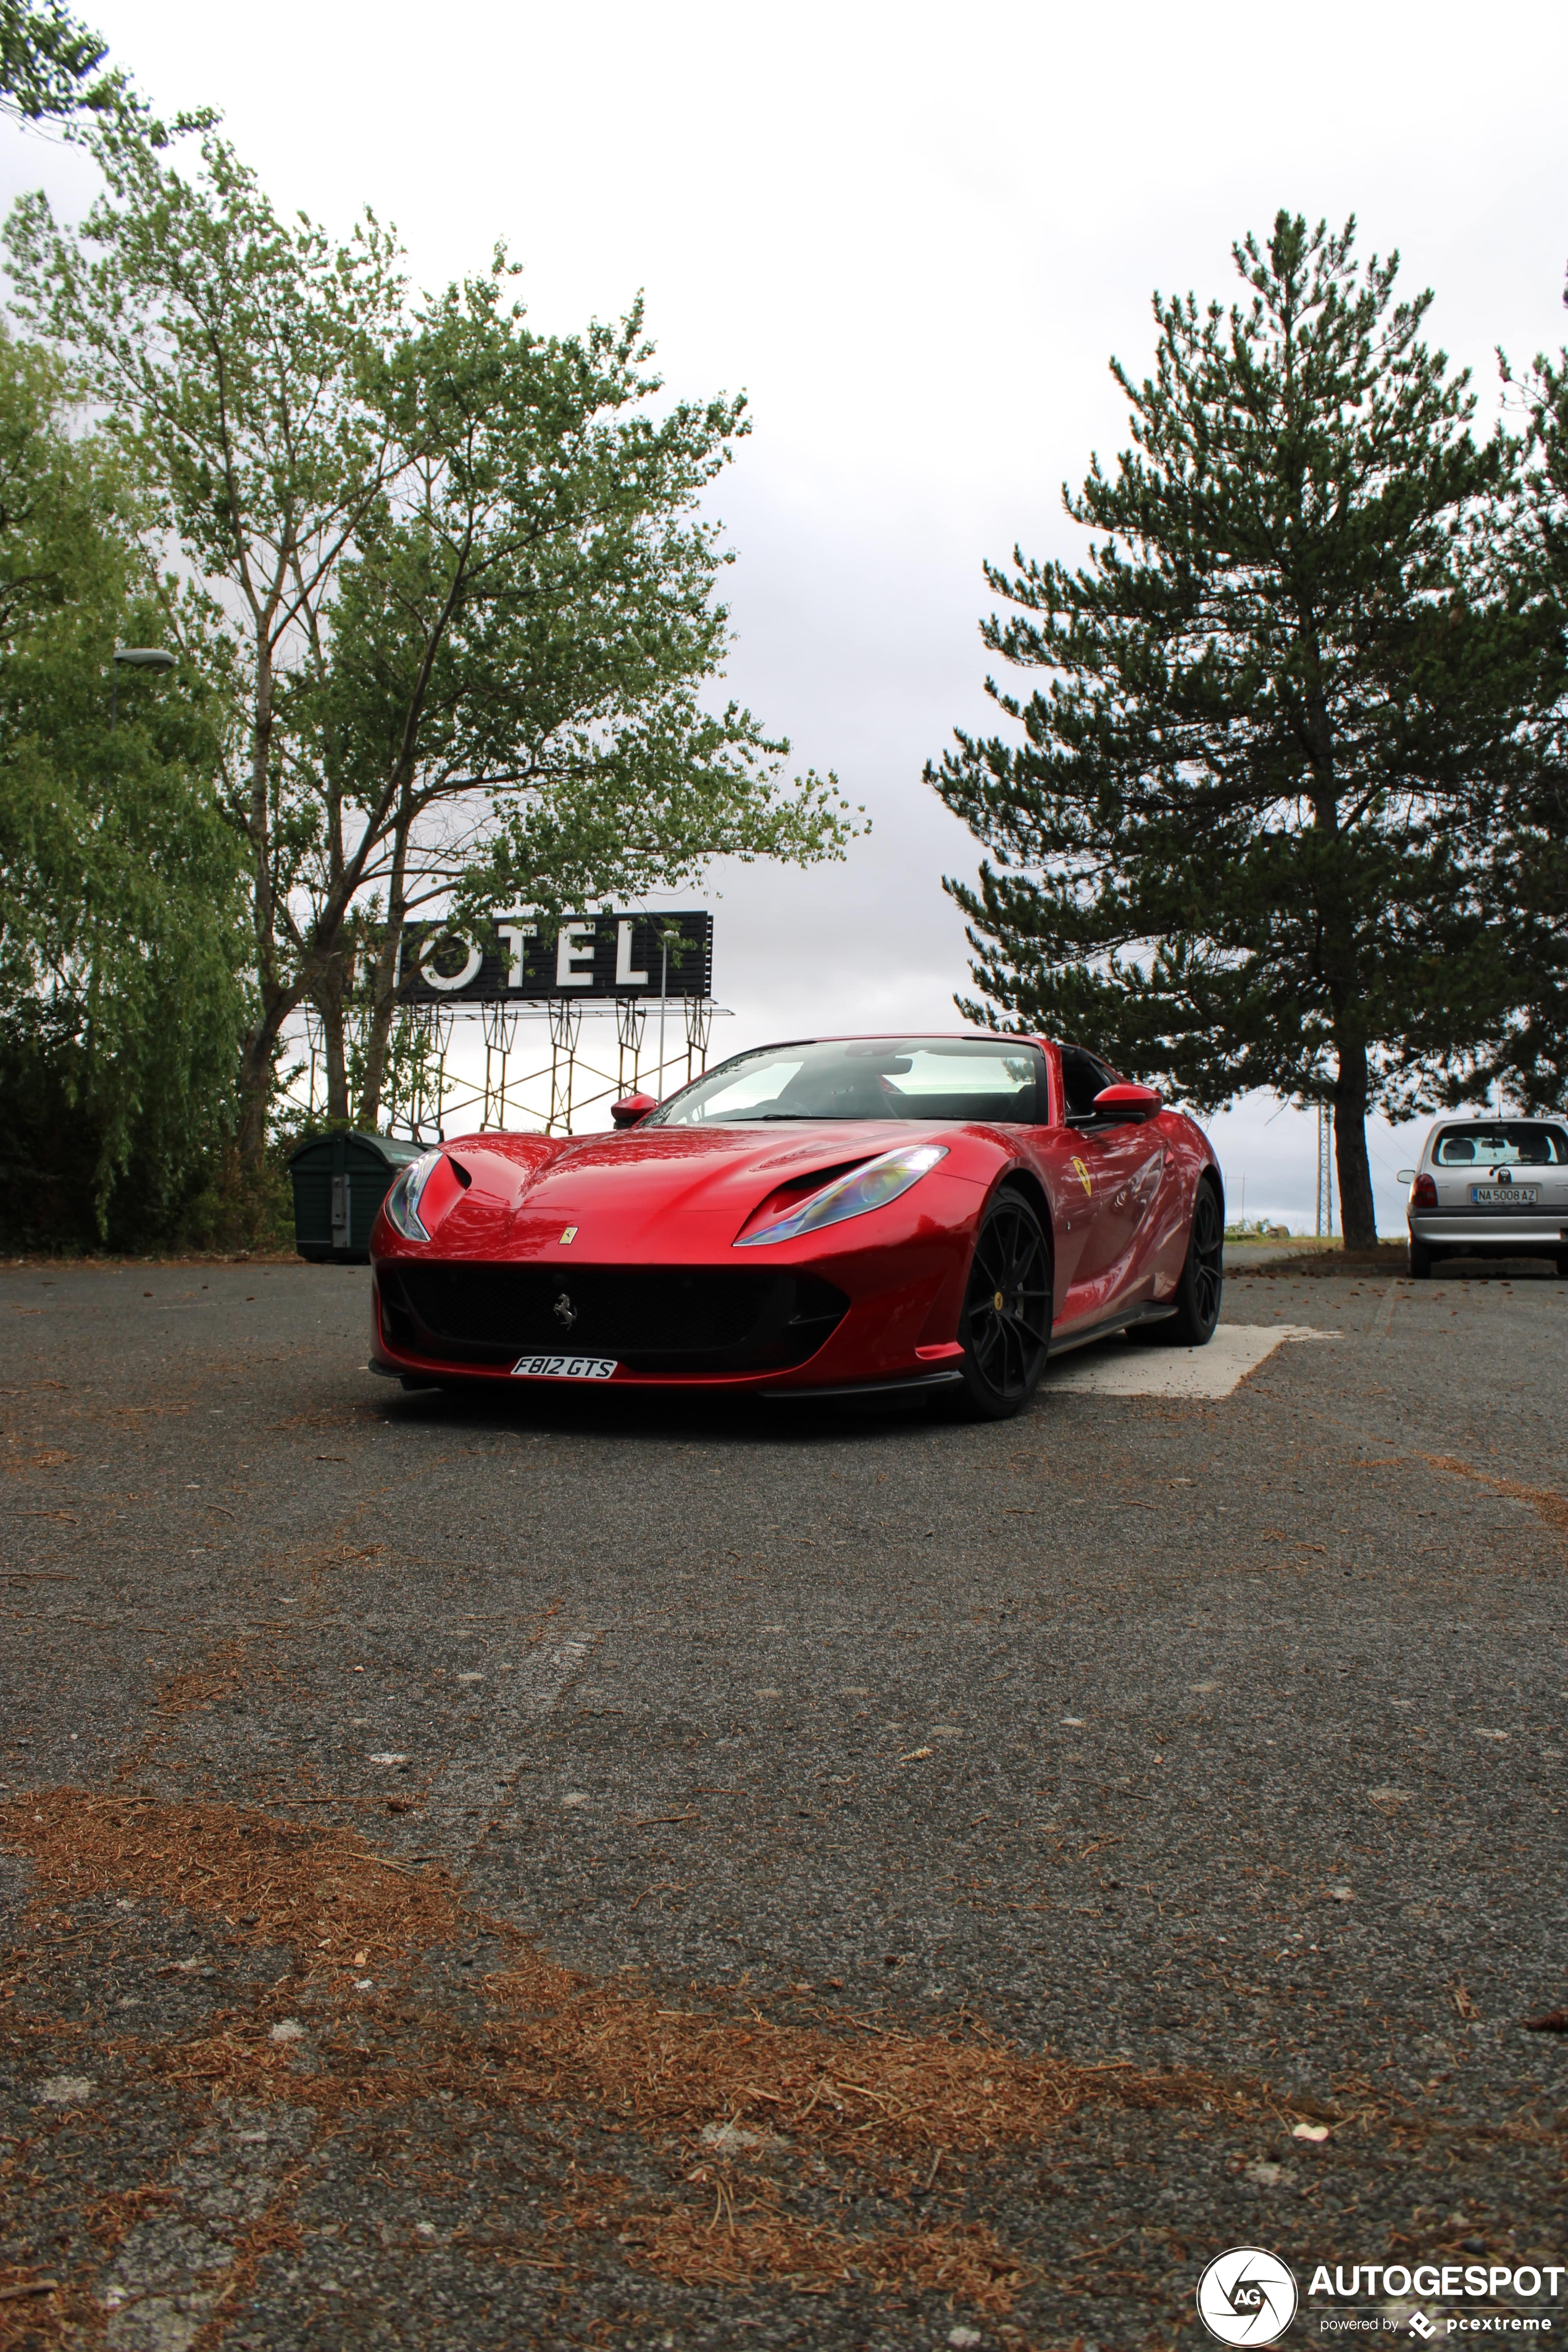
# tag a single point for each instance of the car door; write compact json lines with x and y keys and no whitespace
{"x":1134,"y":1170}
{"x":1119,"y":1167}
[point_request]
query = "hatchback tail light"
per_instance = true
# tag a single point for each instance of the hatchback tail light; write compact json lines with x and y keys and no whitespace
{"x":1424,"y":1193}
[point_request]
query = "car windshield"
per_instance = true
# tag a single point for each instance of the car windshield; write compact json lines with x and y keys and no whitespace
{"x":1503,"y":1143}
{"x":953,"y":1079}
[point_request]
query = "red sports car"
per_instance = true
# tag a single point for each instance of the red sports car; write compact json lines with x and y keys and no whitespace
{"x":838,"y":1217}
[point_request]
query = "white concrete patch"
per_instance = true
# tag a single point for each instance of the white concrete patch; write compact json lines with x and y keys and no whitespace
{"x":1119,"y":1367}
{"x":167,"y":2282}
{"x":67,"y":2090}
{"x":476,"y":1777}
{"x":728,"y":2138}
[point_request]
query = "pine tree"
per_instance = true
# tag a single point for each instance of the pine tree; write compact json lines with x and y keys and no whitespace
{"x":1527,"y":1054}
{"x":1243,"y":842}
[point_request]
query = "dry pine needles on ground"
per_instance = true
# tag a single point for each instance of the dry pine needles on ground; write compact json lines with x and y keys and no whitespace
{"x":716,"y":2094}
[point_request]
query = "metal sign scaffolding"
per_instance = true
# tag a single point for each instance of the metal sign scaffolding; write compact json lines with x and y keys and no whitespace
{"x":512,"y":972}
{"x":571,"y":1070}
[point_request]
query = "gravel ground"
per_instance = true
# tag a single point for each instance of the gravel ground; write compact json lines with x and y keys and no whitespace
{"x":557,"y":1872}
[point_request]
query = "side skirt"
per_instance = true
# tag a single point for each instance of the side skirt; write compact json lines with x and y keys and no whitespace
{"x":1148,"y":1312}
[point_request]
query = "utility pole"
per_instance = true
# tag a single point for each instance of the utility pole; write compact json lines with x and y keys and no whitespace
{"x":1325,"y":1172}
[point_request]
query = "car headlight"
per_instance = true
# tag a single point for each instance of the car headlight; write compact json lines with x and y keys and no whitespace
{"x":871,"y":1187}
{"x":403,"y":1200}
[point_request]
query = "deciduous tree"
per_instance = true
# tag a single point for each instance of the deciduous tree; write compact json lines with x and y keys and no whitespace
{"x":471,"y":601}
{"x":121,"y":904}
{"x":512,"y":696}
{"x":229,"y":349}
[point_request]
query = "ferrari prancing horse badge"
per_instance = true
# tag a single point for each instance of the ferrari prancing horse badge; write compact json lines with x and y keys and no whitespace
{"x":1081,"y":1172}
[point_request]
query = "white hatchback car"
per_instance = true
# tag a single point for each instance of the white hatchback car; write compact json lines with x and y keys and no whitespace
{"x":1489,"y":1188}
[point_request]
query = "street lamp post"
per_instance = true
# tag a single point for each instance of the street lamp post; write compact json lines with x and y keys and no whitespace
{"x":134,"y":657}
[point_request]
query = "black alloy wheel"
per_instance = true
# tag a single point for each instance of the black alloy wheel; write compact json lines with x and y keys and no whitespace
{"x":1201,"y":1284}
{"x":1005,"y":1326}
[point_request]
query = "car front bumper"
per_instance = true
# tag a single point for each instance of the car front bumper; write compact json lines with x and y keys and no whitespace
{"x":900,"y":1288}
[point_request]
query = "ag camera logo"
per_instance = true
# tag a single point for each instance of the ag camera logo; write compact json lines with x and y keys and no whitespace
{"x":1246,"y":2296}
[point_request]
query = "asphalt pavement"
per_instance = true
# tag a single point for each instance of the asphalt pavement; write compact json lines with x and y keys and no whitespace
{"x":559,"y":1870}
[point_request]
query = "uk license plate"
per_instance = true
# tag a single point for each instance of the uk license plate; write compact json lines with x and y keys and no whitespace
{"x":1503,"y":1196}
{"x":564,"y":1367}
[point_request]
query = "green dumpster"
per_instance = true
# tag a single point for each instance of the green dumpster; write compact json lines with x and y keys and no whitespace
{"x":340,"y":1181}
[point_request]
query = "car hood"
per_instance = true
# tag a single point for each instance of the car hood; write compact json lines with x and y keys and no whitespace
{"x":613,"y":1190}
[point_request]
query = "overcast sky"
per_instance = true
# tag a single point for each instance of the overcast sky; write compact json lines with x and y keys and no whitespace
{"x":913,"y":236}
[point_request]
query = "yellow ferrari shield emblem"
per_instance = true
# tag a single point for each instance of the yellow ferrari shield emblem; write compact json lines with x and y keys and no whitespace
{"x":1081,"y":1172}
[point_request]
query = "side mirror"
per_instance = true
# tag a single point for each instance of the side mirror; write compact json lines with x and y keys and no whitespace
{"x":633,"y":1107}
{"x":1128,"y":1102}
{"x":1405,"y":1176}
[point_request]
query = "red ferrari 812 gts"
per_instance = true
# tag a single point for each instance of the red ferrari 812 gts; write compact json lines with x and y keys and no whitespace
{"x":848,"y":1217}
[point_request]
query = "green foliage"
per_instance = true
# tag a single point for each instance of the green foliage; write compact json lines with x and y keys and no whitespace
{"x":1244,"y":840}
{"x":469,"y":607}
{"x":49,"y":65}
{"x":1527,"y":1051}
{"x":54,"y":70}
{"x":228,"y":348}
{"x":512,"y":695}
{"x":120,"y":995}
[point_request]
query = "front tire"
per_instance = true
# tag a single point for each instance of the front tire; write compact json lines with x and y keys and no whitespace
{"x":1005,"y":1326}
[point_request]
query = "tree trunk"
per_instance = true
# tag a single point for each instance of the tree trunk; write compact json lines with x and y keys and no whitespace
{"x":257,"y":1060}
{"x":378,"y":1033}
{"x":330,"y":1005}
{"x":255,"y":1097}
{"x":384,"y":970}
{"x":258,"y":1054}
{"x":1357,"y":1213}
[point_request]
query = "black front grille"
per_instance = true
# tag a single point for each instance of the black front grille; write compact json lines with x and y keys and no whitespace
{"x":651,"y":1318}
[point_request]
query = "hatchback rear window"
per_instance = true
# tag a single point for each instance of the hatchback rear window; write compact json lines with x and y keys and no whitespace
{"x":1507,"y":1143}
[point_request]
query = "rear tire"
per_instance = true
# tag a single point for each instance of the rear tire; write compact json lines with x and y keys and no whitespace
{"x":1199,"y":1293}
{"x":1563,"y":1265}
{"x":1005,"y":1326}
{"x":1420,"y":1262}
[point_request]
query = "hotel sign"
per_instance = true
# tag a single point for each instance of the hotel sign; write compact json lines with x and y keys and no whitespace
{"x":517,"y":959}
